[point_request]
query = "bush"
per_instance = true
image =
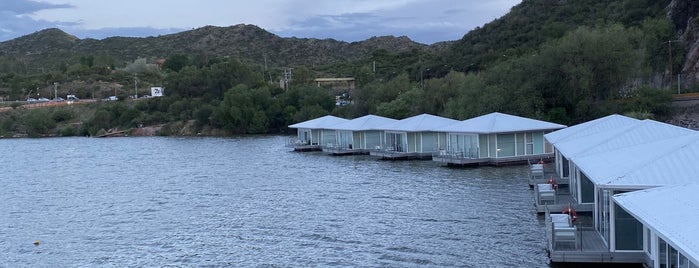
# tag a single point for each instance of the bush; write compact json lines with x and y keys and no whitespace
{"x":62,"y":115}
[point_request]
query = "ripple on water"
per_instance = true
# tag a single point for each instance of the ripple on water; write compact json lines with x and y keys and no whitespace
{"x":248,"y":201}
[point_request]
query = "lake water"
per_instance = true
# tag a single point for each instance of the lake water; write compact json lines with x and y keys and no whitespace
{"x":250,"y":201}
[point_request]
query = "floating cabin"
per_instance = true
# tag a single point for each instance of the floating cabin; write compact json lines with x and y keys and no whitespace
{"x":623,"y":132}
{"x":627,"y":157}
{"x":414,"y":137}
{"x":669,"y":216}
{"x":359,"y":135}
{"x":496,"y":139}
{"x":313,"y":134}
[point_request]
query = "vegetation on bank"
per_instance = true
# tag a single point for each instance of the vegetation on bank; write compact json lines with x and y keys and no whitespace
{"x":566,"y":74}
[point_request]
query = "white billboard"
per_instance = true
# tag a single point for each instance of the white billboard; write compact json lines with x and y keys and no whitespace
{"x":156,"y":91}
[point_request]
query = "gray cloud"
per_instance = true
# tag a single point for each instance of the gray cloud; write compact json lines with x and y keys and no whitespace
{"x":360,"y":26}
{"x":14,"y":19}
{"x":20,"y":7}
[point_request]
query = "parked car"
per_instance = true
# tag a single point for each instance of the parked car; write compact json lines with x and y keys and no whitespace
{"x":31,"y":100}
{"x":43,"y":99}
{"x":72,"y":97}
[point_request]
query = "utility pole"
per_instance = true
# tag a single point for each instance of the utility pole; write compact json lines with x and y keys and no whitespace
{"x":669,"y":59}
{"x":135,"y":85}
{"x":287,"y":77}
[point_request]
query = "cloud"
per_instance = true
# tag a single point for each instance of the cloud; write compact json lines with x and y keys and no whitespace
{"x":425,"y":21}
{"x":15,"y":20}
{"x":21,"y":7}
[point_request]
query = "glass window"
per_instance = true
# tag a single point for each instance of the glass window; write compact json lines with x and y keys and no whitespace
{"x":492,"y":145}
{"x":684,"y":263}
{"x":566,"y":167}
{"x":648,"y":241}
{"x":587,"y":189}
{"x":672,"y":257}
{"x":628,"y":231}
{"x":662,"y":253}
{"x":520,"y":143}
{"x":506,"y":145}
{"x":483,"y":144}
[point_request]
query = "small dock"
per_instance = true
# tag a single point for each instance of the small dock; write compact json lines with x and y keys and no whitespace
{"x":394,"y":155}
{"x":344,"y":151}
{"x":457,"y":160}
{"x":303,"y":146}
{"x":587,"y":247}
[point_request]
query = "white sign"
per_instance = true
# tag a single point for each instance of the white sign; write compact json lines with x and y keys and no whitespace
{"x":156,"y":91}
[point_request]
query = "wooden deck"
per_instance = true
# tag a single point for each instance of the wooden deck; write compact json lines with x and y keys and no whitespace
{"x":458,"y":160}
{"x":344,"y":151}
{"x":562,"y":200}
{"x":589,"y":248}
{"x":393,"y":155}
{"x":302,"y":146}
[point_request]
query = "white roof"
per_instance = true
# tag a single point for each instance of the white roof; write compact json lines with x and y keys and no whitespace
{"x":367,"y":122}
{"x":671,"y":211}
{"x":325,"y":122}
{"x":629,"y":134}
{"x":499,"y":123}
{"x":670,"y":161}
{"x":418,"y":123}
{"x":603,"y":124}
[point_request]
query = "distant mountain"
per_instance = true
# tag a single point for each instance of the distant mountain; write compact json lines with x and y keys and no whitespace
{"x":52,"y":47}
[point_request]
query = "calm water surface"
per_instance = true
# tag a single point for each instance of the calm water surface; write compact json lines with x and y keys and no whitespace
{"x":251,"y":202}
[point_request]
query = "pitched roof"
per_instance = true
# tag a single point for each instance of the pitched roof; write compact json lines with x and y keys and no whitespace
{"x":603,"y":124}
{"x":664,"y":162}
{"x":418,"y":123}
{"x":671,"y":211}
{"x":324,"y":122}
{"x":367,"y":122}
{"x":628,"y":134}
{"x":500,"y":123}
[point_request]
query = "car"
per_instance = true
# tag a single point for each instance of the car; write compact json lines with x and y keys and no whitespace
{"x":31,"y":100}
{"x":43,"y":99}
{"x":111,"y":98}
{"x":72,"y":97}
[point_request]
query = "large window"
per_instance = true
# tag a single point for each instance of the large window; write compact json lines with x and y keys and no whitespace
{"x":520,"y":143}
{"x":587,"y":189}
{"x":506,"y":145}
{"x":628,"y":231}
{"x":668,"y":256}
{"x":395,"y":142}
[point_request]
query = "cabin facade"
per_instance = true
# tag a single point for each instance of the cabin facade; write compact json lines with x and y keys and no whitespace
{"x":667,"y":216}
{"x":359,"y":135}
{"x":413,"y":137}
{"x":496,"y":138}
{"x":633,"y":157}
{"x":313,"y":134}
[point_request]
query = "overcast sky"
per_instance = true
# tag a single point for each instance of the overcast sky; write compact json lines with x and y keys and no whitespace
{"x":424,"y":21}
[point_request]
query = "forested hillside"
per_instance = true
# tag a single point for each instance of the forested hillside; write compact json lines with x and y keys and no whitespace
{"x":562,"y":61}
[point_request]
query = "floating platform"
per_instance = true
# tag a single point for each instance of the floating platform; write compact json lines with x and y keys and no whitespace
{"x":458,"y":160}
{"x":587,"y":247}
{"x":305,"y":147}
{"x":393,"y":155}
{"x":345,"y":151}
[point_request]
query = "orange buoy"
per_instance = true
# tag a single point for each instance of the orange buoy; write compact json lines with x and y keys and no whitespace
{"x":553,"y":182}
{"x":570,"y":211}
